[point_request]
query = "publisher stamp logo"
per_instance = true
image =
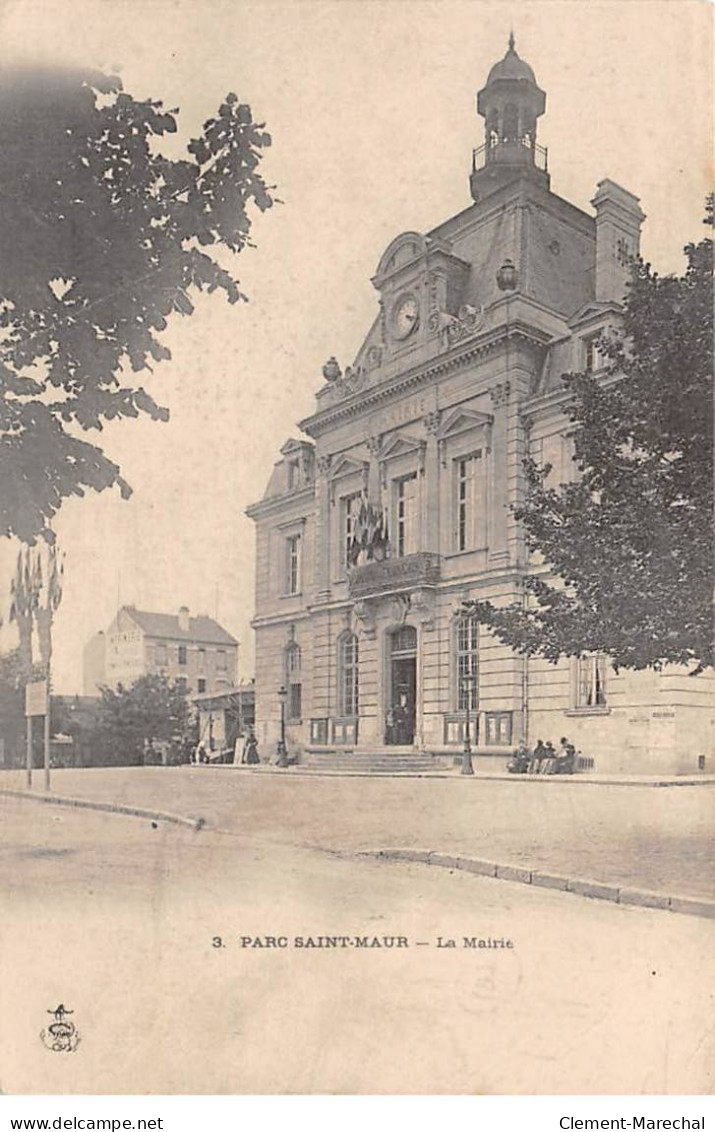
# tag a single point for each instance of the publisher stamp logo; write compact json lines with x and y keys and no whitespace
{"x":61,"y":1036}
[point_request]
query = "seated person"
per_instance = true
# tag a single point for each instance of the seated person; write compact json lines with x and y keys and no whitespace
{"x":537,"y":757}
{"x":548,"y":765}
{"x":565,"y":757}
{"x":520,"y":760}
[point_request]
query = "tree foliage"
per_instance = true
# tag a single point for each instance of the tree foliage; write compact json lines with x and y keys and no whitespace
{"x":631,"y":538}
{"x":102,"y":238}
{"x":151,"y":710}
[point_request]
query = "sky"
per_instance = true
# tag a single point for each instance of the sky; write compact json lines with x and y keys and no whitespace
{"x":371,"y":106}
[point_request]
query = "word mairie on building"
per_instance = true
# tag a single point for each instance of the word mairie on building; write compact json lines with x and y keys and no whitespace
{"x":372,"y":534}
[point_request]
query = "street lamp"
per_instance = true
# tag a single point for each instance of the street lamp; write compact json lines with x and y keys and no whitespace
{"x":281,"y":751}
{"x":468,"y":682}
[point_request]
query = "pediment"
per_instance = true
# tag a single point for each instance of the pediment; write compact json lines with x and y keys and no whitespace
{"x":404,"y":249}
{"x":463,"y":420}
{"x":401,"y":445}
{"x":347,"y":466}
{"x":592,"y":311}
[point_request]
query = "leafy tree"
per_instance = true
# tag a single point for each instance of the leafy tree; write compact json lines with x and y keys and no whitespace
{"x":631,"y":539}
{"x":13,"y":675}
{"x":130,"y":719}
{"x":102,"y":238}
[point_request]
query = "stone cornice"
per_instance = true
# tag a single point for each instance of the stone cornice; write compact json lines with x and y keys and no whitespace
{"x":276,"y":503}
{"x":424,"y":374}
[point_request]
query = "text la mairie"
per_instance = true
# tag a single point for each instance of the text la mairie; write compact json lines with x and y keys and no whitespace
{"x":370,"y":536}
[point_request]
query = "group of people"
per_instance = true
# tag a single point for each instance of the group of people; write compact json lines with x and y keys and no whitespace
{"x":245,"y":751}
{"x":544,"y":759}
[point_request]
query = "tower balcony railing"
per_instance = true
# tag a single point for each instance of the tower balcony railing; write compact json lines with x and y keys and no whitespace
{"x":509,"y":150}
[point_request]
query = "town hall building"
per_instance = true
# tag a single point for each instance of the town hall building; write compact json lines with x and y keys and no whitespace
{"x":373,"y":532}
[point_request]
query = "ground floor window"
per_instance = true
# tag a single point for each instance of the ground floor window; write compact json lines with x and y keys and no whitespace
{"x":591,"y":682}
{"x":467,"y":663}
{"x":348,"y":674}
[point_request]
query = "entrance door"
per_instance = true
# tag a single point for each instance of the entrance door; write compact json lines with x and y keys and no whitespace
{"x":402,"y":698}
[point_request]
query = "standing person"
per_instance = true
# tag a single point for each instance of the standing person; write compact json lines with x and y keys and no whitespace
{"x":200,"y":754}
{"x":537,"y":757}
{"x":250,"y":754}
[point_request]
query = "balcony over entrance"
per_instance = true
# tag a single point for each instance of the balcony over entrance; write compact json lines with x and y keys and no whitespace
{"x":393,"y":575}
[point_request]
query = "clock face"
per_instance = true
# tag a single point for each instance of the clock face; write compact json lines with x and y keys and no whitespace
{"x":406,"y":316}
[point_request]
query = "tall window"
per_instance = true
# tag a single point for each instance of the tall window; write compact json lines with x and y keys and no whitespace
{"x":221,"y":662}
{"x":350,"y":512}
{"x":348,"y":674}
{"x":591,"y":682}
{"x":202,"y":660}
{"x":467,"y":663}
{"x":161,"y":656}
{"x":293,"y":682}
{"x":406,"y":516}
{"x":182,"y":654}
{"x":469,"y":485}
{"x":293,"y":564}
{"x":592,"y":358}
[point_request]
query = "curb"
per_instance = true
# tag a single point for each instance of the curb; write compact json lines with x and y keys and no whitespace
{"x":579,"y":886}
{"x":106,"y":807}
{"x":566,"y":780}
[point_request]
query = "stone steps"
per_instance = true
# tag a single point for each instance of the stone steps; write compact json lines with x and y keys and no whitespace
{"x":367,"y":761}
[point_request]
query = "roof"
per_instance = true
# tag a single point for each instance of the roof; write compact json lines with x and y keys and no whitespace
{"x":512,"y":66}
{"x":203,"y":629}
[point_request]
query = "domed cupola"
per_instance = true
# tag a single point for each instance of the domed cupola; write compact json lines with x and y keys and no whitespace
{"x":510,"y":104}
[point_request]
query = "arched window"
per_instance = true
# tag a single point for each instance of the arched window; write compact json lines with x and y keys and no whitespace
{"x":467,"y":663}
{"x":348,"y":674}
{"x":293,"y":682}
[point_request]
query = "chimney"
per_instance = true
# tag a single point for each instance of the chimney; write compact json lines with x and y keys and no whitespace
{"x":184,"y":619}
{"x":618,"y":232}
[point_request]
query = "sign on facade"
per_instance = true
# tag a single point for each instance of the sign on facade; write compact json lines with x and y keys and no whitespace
{"x":36,"y":698}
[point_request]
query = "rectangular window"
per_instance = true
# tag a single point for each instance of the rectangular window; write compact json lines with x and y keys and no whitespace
{"x":350,"y":509}
{"x":591,"y":682}
{"x":221,"y":661}
{"x":181,"y":685}
{"x":202,"y":660}
{"x":467,"y":663}
{"x":498,"y":728}
{"x":406,"y":516}
{"x":161,"y":656}
{"x":202,"y":685}
{"x":592,"y":358}
{"x":293,"y":564}
{"x":470,"y":507}
{"x":182,"y":654}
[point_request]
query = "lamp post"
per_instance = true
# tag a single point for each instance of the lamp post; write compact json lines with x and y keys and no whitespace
{"x":468,"y":682}
{"x":281,"y":751}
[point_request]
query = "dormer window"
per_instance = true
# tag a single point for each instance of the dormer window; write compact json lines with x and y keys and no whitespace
{"x":293,"y":473}
{"x":592,"y":357}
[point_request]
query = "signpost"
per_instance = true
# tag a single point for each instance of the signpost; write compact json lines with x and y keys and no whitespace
{"x":36,"y":703}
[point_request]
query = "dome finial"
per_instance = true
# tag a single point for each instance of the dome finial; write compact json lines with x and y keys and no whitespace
{"x":512,"y":41}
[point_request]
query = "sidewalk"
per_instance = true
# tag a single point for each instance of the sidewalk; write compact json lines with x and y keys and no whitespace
{"x":583,"y":778}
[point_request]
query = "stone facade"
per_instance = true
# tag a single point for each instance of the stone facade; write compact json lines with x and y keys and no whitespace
{"x":417,"y":449}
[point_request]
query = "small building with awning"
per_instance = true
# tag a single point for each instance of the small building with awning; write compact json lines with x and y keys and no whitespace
{"x":225,"y":715}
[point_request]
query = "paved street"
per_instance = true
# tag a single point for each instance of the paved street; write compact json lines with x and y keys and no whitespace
{"x":115,"y":919}
{"x":654,"y":838}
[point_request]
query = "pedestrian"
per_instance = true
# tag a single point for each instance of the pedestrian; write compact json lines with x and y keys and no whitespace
{"x":250,"y":754}
{"x":200,"y":755}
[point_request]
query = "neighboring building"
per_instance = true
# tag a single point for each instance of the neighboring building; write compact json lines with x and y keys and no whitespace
{"x":194,"y":650}
{"x":224,"y":716}
{"x":422,"y":440}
